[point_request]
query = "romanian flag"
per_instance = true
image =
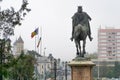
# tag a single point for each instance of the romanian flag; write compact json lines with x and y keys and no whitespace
{"x":38,"y":42}
{"x":35,"y":32}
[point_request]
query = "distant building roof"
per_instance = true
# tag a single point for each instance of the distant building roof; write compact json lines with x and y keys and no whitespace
{"x":18,"y":41}
{"x":43,"y":59}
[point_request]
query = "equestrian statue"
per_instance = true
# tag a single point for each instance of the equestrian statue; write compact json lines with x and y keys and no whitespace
{"x":80,"y":30}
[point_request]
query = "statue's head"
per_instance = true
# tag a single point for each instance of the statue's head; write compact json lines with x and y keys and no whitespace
{"x":79,"y":8}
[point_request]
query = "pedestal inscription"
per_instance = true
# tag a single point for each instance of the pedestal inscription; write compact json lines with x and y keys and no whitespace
{"x":81,"y":70}
{"x":81,"y":73}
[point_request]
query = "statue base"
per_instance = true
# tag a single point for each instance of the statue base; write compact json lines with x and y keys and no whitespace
{"x":81,"y":68}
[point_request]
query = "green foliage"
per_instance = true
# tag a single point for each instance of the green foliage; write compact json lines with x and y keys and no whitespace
{"x":22,"y":68}
{"x":4,"y":57}
{"x":107,"y":71}
{"x":9,"y":18}
{"x":50,"y":74}
{"x":92,"y":56}
{"x":33,"y":53}
{"x":9,"y":66}
{"x":117,"y":69}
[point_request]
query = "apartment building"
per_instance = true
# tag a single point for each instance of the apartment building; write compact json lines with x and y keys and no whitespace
{"x":109,"y":44}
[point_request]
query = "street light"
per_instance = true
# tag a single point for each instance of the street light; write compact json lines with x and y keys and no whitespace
{"x":55,"y":68}
{"x":66,"y":70}
{"x":51,"y":61}
{"x":44,"y":66}
{"x":44,"y":51}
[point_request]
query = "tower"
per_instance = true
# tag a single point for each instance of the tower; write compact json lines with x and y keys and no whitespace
{"x":18,"y":46}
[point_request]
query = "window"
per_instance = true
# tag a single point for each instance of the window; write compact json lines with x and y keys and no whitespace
{"x":109,"y":47}
{"x":114,"y":47}
{"x":109,"y":52}
{"x":48,"y":66}
{"x":113,"y":44}
{"x":102,"y":41}
{"x":118,"y":40}
{"x":118,"y":33}
{"x":102,"y":33}
{"x":109,"y":36}
{"x":42,"y":66}
{"x":102,"y":51}
{"x":113,"y":33}
{"x":118,"y":44}
{"x":114,"y":51}
{"x":102,"y":37}
{"x":102,"y":44}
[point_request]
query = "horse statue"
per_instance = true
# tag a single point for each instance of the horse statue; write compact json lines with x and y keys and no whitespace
{"x":80,"y":34}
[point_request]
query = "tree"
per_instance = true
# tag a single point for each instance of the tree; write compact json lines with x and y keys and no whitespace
{"x":9,"y":18}
{"x":117,"y":69}
{"x":33,"y":53}
{"x":106,"y":70}
{"x":110,"y":72}
{"x":4,"y":57}
{"x":92,"y":55}
{"x":23,"y":67}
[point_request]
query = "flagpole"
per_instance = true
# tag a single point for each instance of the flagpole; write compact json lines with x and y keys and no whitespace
{"x":35,"y":43}
{"x":33,"y":34}
{"x":35,"y":56}
{"x":38,"y":40}
{"x":35,"y":40}
{"x":41,"y":41}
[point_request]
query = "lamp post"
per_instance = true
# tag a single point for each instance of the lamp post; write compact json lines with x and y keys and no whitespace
{"x":55,"y":68}
{"x":66,"y":70}
{"x":44,"y":65}
{"x":51,"y":61}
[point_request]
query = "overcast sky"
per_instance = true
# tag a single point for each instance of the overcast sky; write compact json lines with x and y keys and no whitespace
{"x":54,"y":17}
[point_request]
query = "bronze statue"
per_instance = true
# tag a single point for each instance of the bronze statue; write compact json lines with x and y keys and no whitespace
{"x":80,"y":30}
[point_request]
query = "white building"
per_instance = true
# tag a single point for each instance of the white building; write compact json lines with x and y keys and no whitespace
{"x":45,"y":65}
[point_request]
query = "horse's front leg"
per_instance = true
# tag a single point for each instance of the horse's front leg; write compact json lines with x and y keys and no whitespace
{"x":79,"y":48}
{"x":76,"y":43}
{"x":84,"y":51}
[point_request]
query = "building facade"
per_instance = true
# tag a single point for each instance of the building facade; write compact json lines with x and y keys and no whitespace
{"x":109,"y":44}
{"x":18,"y":46}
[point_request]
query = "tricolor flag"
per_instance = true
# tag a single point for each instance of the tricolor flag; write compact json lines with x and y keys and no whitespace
{"x":35,"y":32}
{"x":38,"y":42}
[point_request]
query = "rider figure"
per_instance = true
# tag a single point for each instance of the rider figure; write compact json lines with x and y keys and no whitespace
{"x":82,"y":18}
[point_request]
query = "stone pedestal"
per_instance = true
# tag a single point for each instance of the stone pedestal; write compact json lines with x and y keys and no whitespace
{"x":81,"y":69}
